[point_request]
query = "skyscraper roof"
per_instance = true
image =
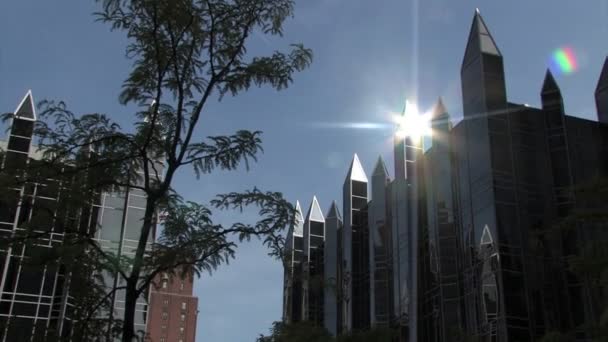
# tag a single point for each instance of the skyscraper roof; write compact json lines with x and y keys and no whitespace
{"x":355,"y":172}
{"x":439,"y":109}
{"x":486,"y":236}
{"x":380,"y":168}
{"x":602,"y":83}
{"x":549,"y":85}
{"x":299,"y":228}
{"x":334,"y":212}
{"x":480,"y":40}
{"x":26,"y":110}
{"x":314,"y":212}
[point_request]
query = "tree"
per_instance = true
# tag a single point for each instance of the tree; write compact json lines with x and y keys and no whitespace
{"x":296,"y":332}
{"x":372,"y":335}
{"x":185,"y":54}
{"x":306,"y":331}
{"x":584,"y":227}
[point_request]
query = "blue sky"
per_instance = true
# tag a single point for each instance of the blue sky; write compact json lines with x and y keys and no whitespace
{"x":369,"y":56}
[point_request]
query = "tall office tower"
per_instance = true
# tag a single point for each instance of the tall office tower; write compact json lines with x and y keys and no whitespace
{"x":355,"y":247}
{"x":515,"y":167}
{"x":292,"y":283}
{"x":32,"y":300}
{"x":488,"y":160}
{"x":601,"y":94}
{"x":38,"y":301}
{"x":404,"y":215}
{"x":332,"y":257}
{"x":314,"y":240}
{"x":578,"y":153}
{"x":380,"y":244}
{"x":442,"y":239}
{"x":173,"y":309}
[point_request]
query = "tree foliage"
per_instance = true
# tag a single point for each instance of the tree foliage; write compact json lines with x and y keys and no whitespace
{"x":309,"y":332}
{"x":585,"y":227}
{"x":185,"y":53}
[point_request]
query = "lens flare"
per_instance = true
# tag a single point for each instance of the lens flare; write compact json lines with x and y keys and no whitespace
{"x":412,"y":123}
{"x":563,"y":61}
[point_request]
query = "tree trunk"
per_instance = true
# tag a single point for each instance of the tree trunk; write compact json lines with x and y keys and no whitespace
{"x":128,"y":328}
{"x":131,"y":295}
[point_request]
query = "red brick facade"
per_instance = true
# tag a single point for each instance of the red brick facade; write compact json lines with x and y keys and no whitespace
{"x":173,"y":310}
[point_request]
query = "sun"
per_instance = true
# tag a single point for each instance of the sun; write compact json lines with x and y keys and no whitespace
{"x":412,"y":123}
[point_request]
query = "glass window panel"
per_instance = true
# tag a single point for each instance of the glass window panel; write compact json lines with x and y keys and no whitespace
{"x":48,"y":190}
{"x":43,"y":213}
{"x":22,"y":127}
{"x":111,"y":224}
{"x":24,"y":309}
{"x":30,"y":280}
{"x":298,"y":243}
{"x":114,"y":201}
{"x":19,"y":144}
{"x":20,"y":329}
{"x":24,"y":211}
{"x":44,"y":310}
{"x":134,"y":223}
{"x":359,"y":189}
{"x":15,"y":161}
{"x":359,"y":202}
{"x":49,"y":281}
{"x":137,"y":201}
{"x":8,"y":207}
{"x":316,"y":241}
{"x":317,"y":228}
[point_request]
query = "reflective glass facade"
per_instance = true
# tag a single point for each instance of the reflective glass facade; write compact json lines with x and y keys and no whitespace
{"x":294,"y":250}
{"x":380,"y":244}
{"x":37,"y":301}
{"x":314,"y":262}
{"x":355,"y":250}
{"x":463,"y":239}
{"x":332,"y":309}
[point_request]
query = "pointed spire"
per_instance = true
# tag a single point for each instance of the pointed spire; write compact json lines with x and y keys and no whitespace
{"x":601,"y":95}
{"x":299,"y":228}
{"x":549,"y":85}
{"x":334,"y":212}
{"x":602,"y":83}
{"x":480,"y":40}
{"x":26,"y":110}
{"x":380,"y":168}
{"x":314,"y":212}
{"x":486,"y":236}
{"x":439,"y":109}
{"x":355,"y":172}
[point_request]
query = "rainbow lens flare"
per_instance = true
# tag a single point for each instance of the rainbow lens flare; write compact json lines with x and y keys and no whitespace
{"x":564,"y":61}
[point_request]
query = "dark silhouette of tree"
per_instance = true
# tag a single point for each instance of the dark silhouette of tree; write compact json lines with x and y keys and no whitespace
{"x":185,"y":53}
{"x":587,"y":224}
{"x":309,"y":332}
{"x":296,"y":332}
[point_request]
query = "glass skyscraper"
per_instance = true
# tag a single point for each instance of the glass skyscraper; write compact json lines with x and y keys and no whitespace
{"x":462,"y":243}
{"x":37,"y":302}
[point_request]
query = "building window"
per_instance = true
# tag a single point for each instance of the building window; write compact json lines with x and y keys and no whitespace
{"x":164,"y":284}
{"x":162,"y":339}
{"x":181,"y":286}
{"x":183,"y":317}
{"x":165,"y":302}
{"x":183,"y":305}
{"x":181,"y":330}
{"x":163,"y":327}
{"x":164,"y":316}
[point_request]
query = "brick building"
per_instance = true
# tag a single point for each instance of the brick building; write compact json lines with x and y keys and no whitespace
{"x":173,"y":310}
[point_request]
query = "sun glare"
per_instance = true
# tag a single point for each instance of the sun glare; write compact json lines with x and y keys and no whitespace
{"x":412,"y":123}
